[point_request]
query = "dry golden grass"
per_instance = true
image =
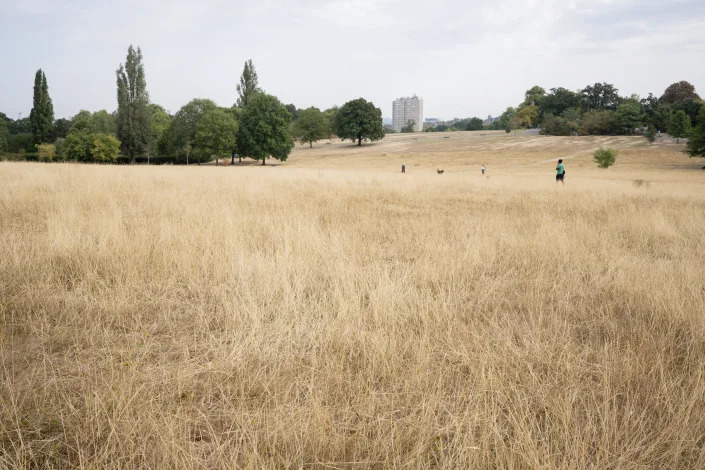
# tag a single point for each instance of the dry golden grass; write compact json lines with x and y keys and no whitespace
{"x":322,"y":314}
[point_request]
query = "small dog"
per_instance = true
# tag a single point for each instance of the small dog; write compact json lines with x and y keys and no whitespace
{"x":440,"y":172}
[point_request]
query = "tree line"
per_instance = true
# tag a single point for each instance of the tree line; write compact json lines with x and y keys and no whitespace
{"x":257,"y":126}
{"x":599,"y":109}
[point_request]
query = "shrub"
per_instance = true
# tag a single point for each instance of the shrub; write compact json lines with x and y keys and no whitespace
{"x":46,"y":152}
{"x":105,"y":148}
{"x":605,"y":158}
{"x":78,"y":145}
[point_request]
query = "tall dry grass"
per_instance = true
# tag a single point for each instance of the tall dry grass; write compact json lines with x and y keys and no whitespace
{"x":261,"y":318}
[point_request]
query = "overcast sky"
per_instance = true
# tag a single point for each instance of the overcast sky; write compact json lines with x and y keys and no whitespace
{"x":464,"y":58}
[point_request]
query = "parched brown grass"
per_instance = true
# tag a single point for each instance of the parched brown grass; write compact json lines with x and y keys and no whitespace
{"x":320,"y":316}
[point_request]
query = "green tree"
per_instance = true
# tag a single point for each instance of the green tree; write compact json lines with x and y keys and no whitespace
{"x":691,"y":107}
{"x":679,"y":126}
{"x":651,"y":133}
{"x":507,"y":121}
{"x":264,"y":129}
{"x":600,"y":96}
{"x":61,"y":128}
{"x":557,"y":101}
{"x":78,"y":145}
{"x":20,"y":126}
{"x":133,"y":127}
{"x":661,"y":117}
{"x":20,"y":143}
{"x":159,"y":122}
{"x":359,"y":119}
{"x":216,"y":134}
{"x":104,"y":122}
{"x":82,"y":120}
{"x":248,"y":85}
{"x":474,"y":124}
{"x":42,"y":115}
{"x":528,"y":115}
{"x":604,"y":158}
{"x":293,"y":111}
{"x":311,"y":126}
{"x":331,"y":115}
{"x":679,"y":91}
{"x":629,"y":116}
{"x":105,"y":148}
{"x":182,"y":128}
{"x":696,"y":141}
{"x":534,"y":96}
{"x":409,"y":128}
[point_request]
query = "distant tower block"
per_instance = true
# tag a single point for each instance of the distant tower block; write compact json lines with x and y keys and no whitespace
{"x":405,"y":110}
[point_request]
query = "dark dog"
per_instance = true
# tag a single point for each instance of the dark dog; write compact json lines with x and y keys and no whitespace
{"x":440,"y":172}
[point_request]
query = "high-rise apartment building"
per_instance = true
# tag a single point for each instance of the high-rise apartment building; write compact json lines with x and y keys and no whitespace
{"x":405,"y":110}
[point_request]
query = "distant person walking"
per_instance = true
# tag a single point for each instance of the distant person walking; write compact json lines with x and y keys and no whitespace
{"x":403,"y":167}
{"x":483,"y":168}
{"x":560,"y":172}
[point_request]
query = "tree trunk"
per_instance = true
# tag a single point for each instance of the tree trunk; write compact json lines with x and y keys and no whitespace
{"x":264,"y":159}
{"x":239,"y":158}
{"x":232,"y":160}
{"x":310,"y":144}
{"x":359,"y":140}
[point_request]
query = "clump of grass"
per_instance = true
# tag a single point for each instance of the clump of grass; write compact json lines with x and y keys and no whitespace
{"x":641,"y":183}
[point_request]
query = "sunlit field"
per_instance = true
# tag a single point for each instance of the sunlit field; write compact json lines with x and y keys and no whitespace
{"x":330,"y":312}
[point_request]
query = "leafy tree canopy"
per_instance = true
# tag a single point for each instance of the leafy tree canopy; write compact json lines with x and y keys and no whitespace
{"x":359,"y":119}
{"x":182,"y":129}
{"x":534,"y":96}
{"x":216,"y":133}
{"x":61,"y":128}
{"x":104,"y":122}
{"x":600,"y":96}
{"x":679,"y":91}
{"x":628,"y":116}
{"x":474,"y":124}
{"x":42,"y":115}
{"x":680,"y":125}
{"x":249,"y":84}
{"x":264,"y":129}
{"x":311,"y":126}
{"x":557,"y":101}
{"x":159,"y":121}
{"x":133,"y":128}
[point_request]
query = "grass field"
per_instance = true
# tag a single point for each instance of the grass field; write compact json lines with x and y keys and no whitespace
{"x":329,"y":312}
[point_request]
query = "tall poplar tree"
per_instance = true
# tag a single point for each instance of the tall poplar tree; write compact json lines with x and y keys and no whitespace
{"x":133,"y":106}
{"x":41,"y":117}
{"x":248,"y":84}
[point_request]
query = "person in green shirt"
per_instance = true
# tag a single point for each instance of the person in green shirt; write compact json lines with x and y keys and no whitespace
{"x":560,"y":172}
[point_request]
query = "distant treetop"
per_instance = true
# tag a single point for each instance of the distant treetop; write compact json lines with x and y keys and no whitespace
{"x":678,"y":92}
